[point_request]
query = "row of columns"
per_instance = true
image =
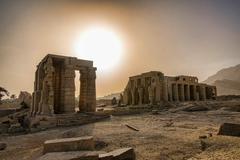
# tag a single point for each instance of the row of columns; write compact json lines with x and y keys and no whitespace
{"x":186,"y":92}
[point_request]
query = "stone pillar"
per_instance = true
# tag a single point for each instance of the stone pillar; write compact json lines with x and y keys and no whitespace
{"x":83,"y":90}
{"x":140,"y":93}
{"x":202,"y":93}
{"x":170,"y":92}
{"x":182,"y":98}
{"x":194,"y":92}
{"x":69,"y":90}
{"x":187,"y":93}
{"x":151,"y":95}
{"x":133,"y":96}
{"x":91,"y":103}
{"x":165,"y":91}
{"x":175,"y":92}
{"x":87,"y":101}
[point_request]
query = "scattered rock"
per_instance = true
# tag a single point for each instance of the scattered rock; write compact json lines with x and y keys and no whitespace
{"x":3,"y":146}
{"x":210,"y":134}
{"x":119,"y":154}
{"x":229,"y":129}
{"x":195,"y":108}
{"x":203,"y":145}
{"x":69,"y":144}
{"x":202,"y":137}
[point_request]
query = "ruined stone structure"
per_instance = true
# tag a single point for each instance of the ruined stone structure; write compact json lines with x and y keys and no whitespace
{"x":54,"y":87}
{"x":153,"y":87}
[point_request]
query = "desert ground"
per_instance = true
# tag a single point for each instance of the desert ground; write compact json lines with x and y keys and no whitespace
{"x":169,"y":133}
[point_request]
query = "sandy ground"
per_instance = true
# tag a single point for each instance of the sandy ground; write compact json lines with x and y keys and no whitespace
{"x":160,"y":137}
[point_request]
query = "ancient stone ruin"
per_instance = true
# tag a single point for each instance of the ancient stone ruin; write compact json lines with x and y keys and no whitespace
{"x":54,"y":86}
{"x":153,"y":87}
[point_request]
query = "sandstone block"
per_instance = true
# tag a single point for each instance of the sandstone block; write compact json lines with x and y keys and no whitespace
{"x":119,"y":154}
{"x":77,"y":155}
{"x":229,"y":129}
{"x":69,"y":144}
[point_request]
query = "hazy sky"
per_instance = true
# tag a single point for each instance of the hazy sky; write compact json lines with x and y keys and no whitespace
{"x":191,"y":37}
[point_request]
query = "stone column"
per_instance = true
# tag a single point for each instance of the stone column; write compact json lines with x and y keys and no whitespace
{"x":133,"y":96}
{"x":87,"y":101}
{"x":151,"y":95}
{"x":69,"y":90}
{"x":140,"y":93}
{"x":194,"y":92}
{"x":165,"y":91}
{"x":203,"y":93}
{"x":170,"y":92}
{"x":182,"y":98}
{"x":187,"y":93}
{"x":91,"y":99}
{"x":175,"y":92}
{"x":83,"y":90}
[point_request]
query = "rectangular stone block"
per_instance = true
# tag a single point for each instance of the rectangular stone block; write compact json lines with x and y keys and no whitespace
{"x":119,"y":154}
{"x":77,"y":155}
{"x":69,"y":144}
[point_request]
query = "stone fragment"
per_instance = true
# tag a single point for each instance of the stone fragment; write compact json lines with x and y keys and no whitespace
{"x":229,"y":129}
{"x":202,"y":137}
{"x":195,"y":108}
{"x":119,"y":154}
{"x":77,"y":155}
{"x":69,"y":144}
{"x":105,"y":156}
{"x":3,"y":146}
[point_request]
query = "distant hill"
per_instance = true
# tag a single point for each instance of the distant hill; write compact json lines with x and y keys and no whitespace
{"x":226,"y":80}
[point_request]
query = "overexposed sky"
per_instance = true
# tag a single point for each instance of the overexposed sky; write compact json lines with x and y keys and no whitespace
{"x":176,"y":37}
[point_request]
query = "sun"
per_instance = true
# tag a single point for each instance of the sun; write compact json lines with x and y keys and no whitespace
{"x":100,"y":44}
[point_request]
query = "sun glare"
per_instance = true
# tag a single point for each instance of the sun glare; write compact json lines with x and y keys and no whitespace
{"x":100,"y":44}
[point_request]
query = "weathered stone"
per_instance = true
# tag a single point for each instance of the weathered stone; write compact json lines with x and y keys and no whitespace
{"x":25,"y":98}
{"x":3,"y":146}
{"x":229,"y":129}
{"x":119,"y":154}
{"x":195,"y":108}
{"x":153,"y":87}
{"x":54,"y":87}
{"x":77,"y":155}
{"x":105,"y":156}
{"x":69,"y":144}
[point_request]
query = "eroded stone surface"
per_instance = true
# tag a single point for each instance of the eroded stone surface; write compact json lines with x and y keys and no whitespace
{"x":119,"y":154}
{"x":78,"y":155}
{"x":229,"y":129}
{"x":54,"y":87}
{"x":69,"y":144}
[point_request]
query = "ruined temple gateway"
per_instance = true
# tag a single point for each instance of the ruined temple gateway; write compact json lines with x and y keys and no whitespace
{"x":54,"y":87}
{"x":153,"y":87}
